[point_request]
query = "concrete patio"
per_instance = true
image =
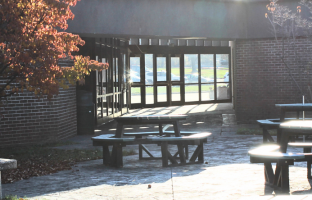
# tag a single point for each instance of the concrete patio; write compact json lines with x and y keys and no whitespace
{"x":226,"y":173}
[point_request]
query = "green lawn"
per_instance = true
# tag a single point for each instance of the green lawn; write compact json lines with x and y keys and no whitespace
{"x":188,"y":89}
{"x":206,"y":72}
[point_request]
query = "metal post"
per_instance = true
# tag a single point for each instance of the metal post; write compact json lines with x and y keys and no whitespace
{"x":0,"y":187}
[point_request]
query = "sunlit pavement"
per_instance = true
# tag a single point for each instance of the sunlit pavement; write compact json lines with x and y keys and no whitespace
{"x":226,"y":173}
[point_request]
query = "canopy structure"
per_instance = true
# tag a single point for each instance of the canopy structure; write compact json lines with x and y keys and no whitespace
{"x":171,"y":19}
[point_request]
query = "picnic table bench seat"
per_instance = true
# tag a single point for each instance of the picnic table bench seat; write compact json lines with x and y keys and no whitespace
{"x":269,"y":124}
{"x":268,"y":154}
{"x":114,"y":158}
{"x":307,"y":151}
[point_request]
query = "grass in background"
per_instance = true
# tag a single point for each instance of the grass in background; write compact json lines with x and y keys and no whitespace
{"x":129,"y":152}
{"x":254,"y":131}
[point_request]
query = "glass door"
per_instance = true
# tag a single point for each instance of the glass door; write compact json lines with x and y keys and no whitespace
{"x":192,"y":77}
{"x":135,"y":80}
{"x":207,"y":77}
{"x":161,"y":80}
{"x":176,"y":79}
{"x":149,"y":79}
{"x":222,"y":76}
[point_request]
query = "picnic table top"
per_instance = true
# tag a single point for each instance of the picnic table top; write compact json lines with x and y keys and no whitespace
{"x":297,"y":124}
{"x":153,"y":138}
{"x":151,"y":117}
{"x":295,"y":106}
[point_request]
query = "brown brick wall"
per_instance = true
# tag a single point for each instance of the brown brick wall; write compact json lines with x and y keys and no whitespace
{"x":26,"y":119}
{"x":262,"y":80}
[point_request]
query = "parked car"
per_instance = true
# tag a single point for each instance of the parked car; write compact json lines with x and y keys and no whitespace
{"x":161,"y":76}
{"x":134,"y":78}
{"x":193,"y":78}
{"x":226,"y":77}
{"x":135,"y":68}
{"x":224,"y":62}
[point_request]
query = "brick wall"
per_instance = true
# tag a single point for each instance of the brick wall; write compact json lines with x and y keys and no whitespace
{"x":27,"y":119}
{"x":262,"y":80}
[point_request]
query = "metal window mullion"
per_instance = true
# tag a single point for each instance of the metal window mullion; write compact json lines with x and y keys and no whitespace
{"x":182,"y":89}
{"x":199,"y":77}
{"x":142,"y":79}
{"x":114,"y":75}
{"x":169,"y":81}
{"x":155,"y":77}
{"x":215,"y":75}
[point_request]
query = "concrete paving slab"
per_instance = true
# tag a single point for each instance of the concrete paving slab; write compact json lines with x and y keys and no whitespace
{"x":227,"y":175}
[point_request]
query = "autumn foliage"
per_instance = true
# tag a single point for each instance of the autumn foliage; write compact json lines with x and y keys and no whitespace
{"x":31,"y":44}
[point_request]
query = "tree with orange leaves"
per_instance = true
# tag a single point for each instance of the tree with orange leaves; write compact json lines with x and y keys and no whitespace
{"x":31,"y":44}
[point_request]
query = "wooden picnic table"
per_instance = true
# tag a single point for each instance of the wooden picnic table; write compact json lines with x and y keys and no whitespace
{"x":287,"y":129}
{"x":293,"y":107}
{"x":160,"y":137}
{"x":150,"y":119}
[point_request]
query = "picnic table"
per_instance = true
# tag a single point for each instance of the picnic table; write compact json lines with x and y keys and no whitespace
{"x":150,"y":119}
{"x":286,"y":128}
{"x":278,"y":154}
{"x":160,"y":137}
{"x":294,"y":107}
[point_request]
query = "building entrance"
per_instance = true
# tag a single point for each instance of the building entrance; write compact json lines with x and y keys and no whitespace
{"x":185,"y":75}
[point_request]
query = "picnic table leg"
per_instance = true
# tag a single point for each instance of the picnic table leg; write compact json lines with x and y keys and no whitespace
{"x":119,"y":130}
{"x":309,"y":169}
{"x":281,"y":173}
{"x":180,"y":145}
{"x":140,"y":148}
{"x":106,"y":155}
{"x":285,"y":177}
{"x":186,"y":151}
{"x":176,"y":129}
{"x":282,"y":114}
{"x":308,"y":150}
{"x":266,"y":135}
{"x":181,"y":153}
{"x":116,"y":158}
{"x":268,"y":173}
{"x":197,"y":154}
{"x":164,"y":154}
{"x":160,"y":129}
{"x":201,"y":153}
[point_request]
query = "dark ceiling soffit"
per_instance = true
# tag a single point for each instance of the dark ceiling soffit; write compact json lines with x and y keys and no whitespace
{"x":127,"y":37}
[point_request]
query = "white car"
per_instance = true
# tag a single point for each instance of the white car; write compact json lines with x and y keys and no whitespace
{"x":226,"y":77}
{"x":134,"y":78}
{"x":161,"y":76}
{"x":193,"y":78}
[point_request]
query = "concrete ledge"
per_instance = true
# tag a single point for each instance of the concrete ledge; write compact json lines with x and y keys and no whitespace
{"x":229,"y":119}
{"x":7,"y":164}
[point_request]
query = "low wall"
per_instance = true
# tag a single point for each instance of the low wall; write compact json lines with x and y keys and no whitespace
{"x":27,"y":120}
